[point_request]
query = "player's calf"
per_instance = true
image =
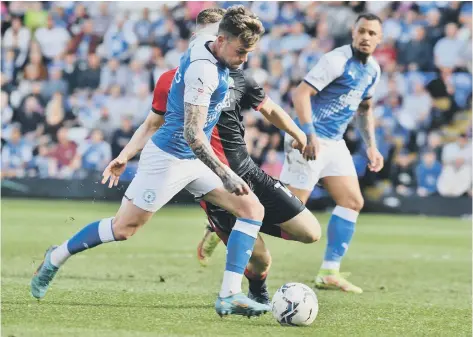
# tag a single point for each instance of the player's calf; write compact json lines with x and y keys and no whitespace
{"x":256,"y":272}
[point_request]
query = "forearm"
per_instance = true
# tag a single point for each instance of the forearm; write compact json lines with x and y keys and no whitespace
{"x":366,"y":124}
{"x":203,"y":150}
{"x":303,"y":108}
{"x":194,"y":135}
{"x":280,"y":119}
{"x":139,"y":140}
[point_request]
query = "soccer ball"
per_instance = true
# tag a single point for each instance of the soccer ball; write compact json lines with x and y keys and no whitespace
{"x":295,"y":304}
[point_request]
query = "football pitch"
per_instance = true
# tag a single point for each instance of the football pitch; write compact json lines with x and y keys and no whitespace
{"x":415,"y":272}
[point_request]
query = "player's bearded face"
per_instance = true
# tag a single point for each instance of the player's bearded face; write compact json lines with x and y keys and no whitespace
{"x":367,"y":35}
{"x":233,"y":53}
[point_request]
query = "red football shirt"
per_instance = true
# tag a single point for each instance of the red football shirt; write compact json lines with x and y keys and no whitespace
{"x":161,"y":92}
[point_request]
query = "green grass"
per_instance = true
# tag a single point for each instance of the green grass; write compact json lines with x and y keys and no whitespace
{"x":416,"y":273}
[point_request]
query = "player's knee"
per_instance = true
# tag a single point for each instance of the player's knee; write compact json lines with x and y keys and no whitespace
{"x":312,"y":234}
{"x":251,"y":210}
{"x":354,"y":203}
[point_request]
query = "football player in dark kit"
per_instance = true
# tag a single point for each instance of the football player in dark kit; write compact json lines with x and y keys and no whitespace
{"x":285,"y":215}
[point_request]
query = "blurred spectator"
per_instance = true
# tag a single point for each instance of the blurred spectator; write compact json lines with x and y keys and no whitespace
{"x":89,"y":76}
{"x":70,"y":71}
{"x":36,"y":59}
{"x":118,"y":42}
{"x":55,"y":116}
{"x":85,"y":42}
{"x":34,"y":14}
{"x":142,"y":28}
{"x":442,"y":90}
{"x":7,"y":111}
{"x":16,"y":154}
{"x":427,"y":174}
{"x":455,"y":178}
{"x":164,"y":34}
{"x":17,"y":38}
{"x":63,"y":154}
{"x":402,"y":176}
{"x":325,"y":40}
{"x":94,"y":154}
{"x":42,"y":165}
{"x":31,"y":118}
{"x":115,"y":107}
{"x":447,"y":49}
{"x":296,"y":39}
{"x":434,"y":28}
{"x":418,"y":51}
{"x":122,"y":136}
{"x":139,"y":104}
{"x":267,"y":11}
{"x":55,"y":84}
{"x":103,"y":19}
{"x":8,"y":65}
{"x":113,"y":73}
{"x":173,"y":56}
{"x":434,"y":143}
{"x":415,"y":113}
{"x":78,"y":19}
{"x":256,"y":72}
{"x":386,"y":53}
{"x":52,"y":39}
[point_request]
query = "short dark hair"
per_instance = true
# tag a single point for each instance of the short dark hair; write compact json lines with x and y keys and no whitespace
{"x":209,"y":16}
{"x":369,"y":17}
{"x":239,"y":22}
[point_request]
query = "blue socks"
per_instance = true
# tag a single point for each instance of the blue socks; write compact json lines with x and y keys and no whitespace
{"x":339,"y":233}
{"x":90,"y":236}
{"x":239,"y":249}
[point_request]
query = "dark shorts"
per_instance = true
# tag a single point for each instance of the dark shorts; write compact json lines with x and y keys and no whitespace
{"x":279,"y":205}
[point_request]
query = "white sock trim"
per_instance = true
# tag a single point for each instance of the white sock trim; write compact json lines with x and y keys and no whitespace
{"x":247,"y":228}
{"x":60,"y":255}
{"x":105,"y":230}
{"x":332,"y":265}
{"x":346,"y":213}
{"x":231,"y":284}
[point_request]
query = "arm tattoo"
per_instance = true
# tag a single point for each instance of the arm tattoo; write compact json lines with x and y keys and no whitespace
{"x":195,"y":118}
{"x":365,"y":123}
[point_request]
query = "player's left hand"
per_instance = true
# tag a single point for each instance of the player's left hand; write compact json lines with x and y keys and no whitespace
{"x":113,"y":171}
{"x":376,"y":163}
{"x":300,"y":142}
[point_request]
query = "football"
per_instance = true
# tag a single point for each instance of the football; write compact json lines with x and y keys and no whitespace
{"x":295,"y":304}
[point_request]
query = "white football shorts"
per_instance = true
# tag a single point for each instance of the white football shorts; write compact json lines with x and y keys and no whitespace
{"x":161,"y":176}
{"x":334,"y":161}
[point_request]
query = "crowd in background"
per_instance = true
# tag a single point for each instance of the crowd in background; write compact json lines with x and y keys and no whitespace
{"x":77,"y":80}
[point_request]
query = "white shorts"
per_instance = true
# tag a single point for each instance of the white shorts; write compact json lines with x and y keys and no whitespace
{"x":161,"y":176}
{"x":334,"y":161}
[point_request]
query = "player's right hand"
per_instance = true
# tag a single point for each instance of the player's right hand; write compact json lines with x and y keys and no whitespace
{"x":113,"y":171}
{"x":234,"y":184}
{"x":312,"y":149}
{"x":300,"y":142}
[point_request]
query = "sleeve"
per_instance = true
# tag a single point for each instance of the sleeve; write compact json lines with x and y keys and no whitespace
{"x":201,"y":80}
{"x":161,"y":92}
{"x":254,"y":96}
{"x":329,"y":67}
{"x":371,"y":90}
